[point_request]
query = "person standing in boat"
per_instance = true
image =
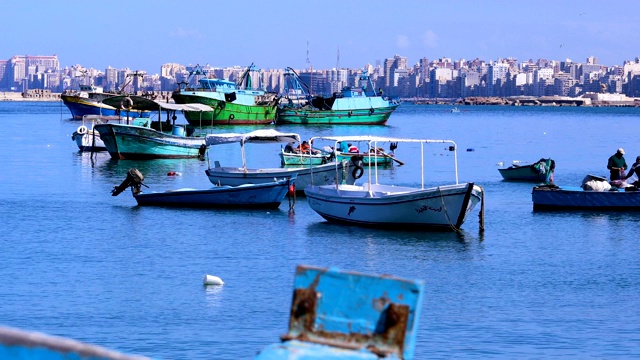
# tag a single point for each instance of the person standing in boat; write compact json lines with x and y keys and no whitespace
{"x":617,"y":165}
{"x":635,"y":169}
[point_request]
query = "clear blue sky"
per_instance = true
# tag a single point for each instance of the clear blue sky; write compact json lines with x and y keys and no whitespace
{"x":144,"y":34}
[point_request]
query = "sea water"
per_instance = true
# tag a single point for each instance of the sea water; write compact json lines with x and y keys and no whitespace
{"x":79,"y":263}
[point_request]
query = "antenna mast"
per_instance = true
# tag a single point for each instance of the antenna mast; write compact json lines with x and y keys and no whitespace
{"x":309,"y":66}
{"x":338,"y":63}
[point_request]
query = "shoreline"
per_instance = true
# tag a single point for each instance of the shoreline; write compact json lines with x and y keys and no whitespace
{"x":554,"y":101}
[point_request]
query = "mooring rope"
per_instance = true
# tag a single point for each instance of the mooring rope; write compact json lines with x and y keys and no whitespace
{"x":446,"y":213}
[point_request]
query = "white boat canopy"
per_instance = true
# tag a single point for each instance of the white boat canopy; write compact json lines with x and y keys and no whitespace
{"x":258,"y":136}
{"x":374,"y":140}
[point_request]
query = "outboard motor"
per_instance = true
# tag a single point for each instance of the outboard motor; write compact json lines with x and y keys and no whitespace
{"x":134,"y":180}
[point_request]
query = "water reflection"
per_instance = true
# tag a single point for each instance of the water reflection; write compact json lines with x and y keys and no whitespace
{"x":214,"y":295}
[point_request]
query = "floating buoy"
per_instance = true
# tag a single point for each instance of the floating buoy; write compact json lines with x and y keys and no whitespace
{"x":292,"y":189}
{"x":500,"y":163}
{"x":516,"y":161}
{"x":212,"y":280}
{"x":174,"y":173}
{"x":471,"y":149}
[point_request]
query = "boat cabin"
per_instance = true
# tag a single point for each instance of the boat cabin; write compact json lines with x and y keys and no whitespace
{"x":225,"y":86}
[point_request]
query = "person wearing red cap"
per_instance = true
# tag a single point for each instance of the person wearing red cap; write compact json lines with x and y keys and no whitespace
{"x":617,"y":165}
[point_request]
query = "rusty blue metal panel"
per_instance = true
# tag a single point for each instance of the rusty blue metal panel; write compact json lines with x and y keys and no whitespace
{"x":347,"y":315}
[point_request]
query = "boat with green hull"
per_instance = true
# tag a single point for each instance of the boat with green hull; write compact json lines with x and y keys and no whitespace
{"x":351,"y":106}
{"x":232,"y":103}
{"x":146,"y":138}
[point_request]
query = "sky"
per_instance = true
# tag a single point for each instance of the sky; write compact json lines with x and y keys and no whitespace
{"x":144,"y":34}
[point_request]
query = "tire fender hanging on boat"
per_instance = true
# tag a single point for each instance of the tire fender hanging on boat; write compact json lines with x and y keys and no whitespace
{"x":358,"y":169}
{"x":82,"y":130}
{"x":231,"y":117}
{"x":371,"y":111}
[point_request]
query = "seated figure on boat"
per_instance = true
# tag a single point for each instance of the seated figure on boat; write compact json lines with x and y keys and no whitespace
{"x":289,"y":147}
{"x":352,"y":149}
{"x":305,"y":148}
{"x":635,"y":169}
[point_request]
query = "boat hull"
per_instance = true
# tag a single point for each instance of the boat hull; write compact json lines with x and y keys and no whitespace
{"x":89,"y":141}
{"x":130,"y":142}
{"x":79,"y":107}
{"x":541,"y":172}
{"x":576,"y":198}
{"x":320,"y":175}
{"x":379,"y":160}
{"x":444,"y":207}
{"x":368,"y":116}
{"x":225,"y":113}
{"x":289,"y":159}
{"x":266,"y":195}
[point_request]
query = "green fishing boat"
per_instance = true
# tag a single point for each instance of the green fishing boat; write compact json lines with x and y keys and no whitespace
{"x":232,"y":103}
{"x":351,"y":106}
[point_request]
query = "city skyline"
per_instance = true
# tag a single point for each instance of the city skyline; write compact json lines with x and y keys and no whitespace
{"x":143,"y":35}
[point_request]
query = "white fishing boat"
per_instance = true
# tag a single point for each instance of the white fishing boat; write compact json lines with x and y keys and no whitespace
{"x":375,"y":204}
{"x":88,"y":139}
{"x":329,"y":173}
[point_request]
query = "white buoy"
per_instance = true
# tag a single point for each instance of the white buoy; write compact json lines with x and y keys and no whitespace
{"x":516,"y":161}
{"x":500,"y":163}
{"x":212,"y":280}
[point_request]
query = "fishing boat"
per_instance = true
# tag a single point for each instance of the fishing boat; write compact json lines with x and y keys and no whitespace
{"x":352,"y":105}
{"x":148,"y":139}
{"x":396,"y":206}
{"x":265,"y":195}
{"x":329,"y":173}
{"x":88,"y":139}
{"x":338,"y":314}
{"x":231,"y":103}
{"x":540,"y":171}
{"x":595,"y":193}
{"x":298,"y":158}
{"x":88,"y":101}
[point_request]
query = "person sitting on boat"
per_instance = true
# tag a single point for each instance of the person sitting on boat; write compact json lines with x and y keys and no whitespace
{"x":352,"y":149}
{"x":289,"y":147}
{"x":305,"y":148}
{"x":635,"y":169}
{"x":343,"y":147}
{"x":617,"y":165}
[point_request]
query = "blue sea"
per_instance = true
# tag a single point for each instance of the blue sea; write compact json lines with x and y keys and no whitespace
{"x":79,"y":263}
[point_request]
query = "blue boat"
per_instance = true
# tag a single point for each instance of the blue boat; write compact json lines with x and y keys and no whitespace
{"x":265,"y":195}
{"x":595,"y":194}
{"x":16,"y":344}
{"x":143,"y":139}
{"x":334,"y":315}
{"x":346,"y":315}
{"x":88,"y":101}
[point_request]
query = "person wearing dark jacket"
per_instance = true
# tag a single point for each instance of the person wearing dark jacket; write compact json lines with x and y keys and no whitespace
{"x":617,"y":165}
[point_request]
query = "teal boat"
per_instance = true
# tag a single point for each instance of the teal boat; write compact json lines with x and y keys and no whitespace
{"x":351,"y":106}
{"x":147,"y":139}
{"x":539,"y":172}
{"x":231,"y":103}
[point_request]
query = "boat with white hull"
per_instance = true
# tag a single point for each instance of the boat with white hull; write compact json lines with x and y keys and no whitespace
{"x":329,"y":173}
{"x":374,"y":204}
